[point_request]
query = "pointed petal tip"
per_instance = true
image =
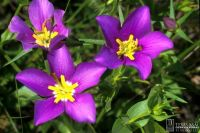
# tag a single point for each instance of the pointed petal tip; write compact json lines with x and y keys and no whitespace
{"x":145,"y":8}
{"x":99,"y":18}
{"x":37,"y":123}
{"x":46,"y":110}
{"x":11,"y":22}
{"x":154,"y":43}
{"x":142,"y":63}
{"x":102,"y":18}
{"x":18,"y":76}
{"x":92,"y":120}
{"x":77,"y":110}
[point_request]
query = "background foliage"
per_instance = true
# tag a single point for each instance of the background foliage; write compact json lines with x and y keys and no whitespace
{"x":124,"y":102}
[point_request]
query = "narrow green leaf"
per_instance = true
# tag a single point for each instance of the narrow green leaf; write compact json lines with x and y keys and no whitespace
{"x":93,"y":41}
{"x":172,"y":96}
{"x":22,"y":53}
{"x":188,"y":50}
{"x":172,"y":14}
{"x":26,"y":93}
{"x":183,"y":18}
{"x":161,"y":117}
{"x":121,"y":16}
{"x":23,"y":2}
{"x":6,"y":35}
{"x":62,"y":127}
{"x":154,"y":96}
{"x":182,"y":34}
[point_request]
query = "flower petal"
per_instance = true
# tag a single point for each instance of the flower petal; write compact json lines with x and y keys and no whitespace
{"x":46,"y":110}
{"x":154,"y":43}
{"x":87,"y":75}
{"x":142,"y":63}
{"x":59,"y":26}
{"x":60,"y":62}
{"x":110,"y":27}
{"x":108,"y":58}
{"x":24,"y":33}
{"x":137,"y":23}
{"x":39,"y":11}
{"x":82,"y":109}
{"x":56,"y":42}
{"x":36,"y":80}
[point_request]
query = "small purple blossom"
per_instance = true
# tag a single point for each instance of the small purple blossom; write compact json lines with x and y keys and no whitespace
{"x":48,"y":28}
{"x":64,"y":89}
{"x":132,"y":44}
{"x":169,"y":23}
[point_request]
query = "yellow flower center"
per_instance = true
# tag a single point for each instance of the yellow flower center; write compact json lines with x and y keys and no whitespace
{"x":63,"y":90}
{"x":128,"y":47}
{"x":44,"y":37}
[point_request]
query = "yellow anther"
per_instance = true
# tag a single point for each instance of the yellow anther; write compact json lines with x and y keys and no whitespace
{"x":44,"y":37}
{"x":63,"y":90}
{"x":128,"y":47}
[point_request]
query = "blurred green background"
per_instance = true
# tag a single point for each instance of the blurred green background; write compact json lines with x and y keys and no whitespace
{"x":174,"y":83}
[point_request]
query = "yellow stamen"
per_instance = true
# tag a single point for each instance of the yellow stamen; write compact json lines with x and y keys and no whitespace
{"x":128,"y":47}
{"x":44,"y":37}
{"x":63,"y":90}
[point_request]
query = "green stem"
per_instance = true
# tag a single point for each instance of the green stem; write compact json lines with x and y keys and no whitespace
{"x":141,"y":2}
{"x":92,"y":128}
{"x":18,"y":9}
{"x":19,"y":107}
{"x":101,"y":114}
{"x":182,"y":55}
{"x":67,"y":6}
{"x":9,"y":118}
{"x":77,"y":11}
{"x":15,"y":67}
{"x":142,"y":81}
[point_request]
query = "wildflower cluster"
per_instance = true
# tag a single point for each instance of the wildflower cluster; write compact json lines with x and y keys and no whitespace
{"x":132,"y":44}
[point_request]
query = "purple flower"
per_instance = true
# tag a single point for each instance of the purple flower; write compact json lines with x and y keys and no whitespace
{"x":48,"y":28}
{"x":64,"y":89}
{"x":169,"y":23}
{"x":132,"y":44}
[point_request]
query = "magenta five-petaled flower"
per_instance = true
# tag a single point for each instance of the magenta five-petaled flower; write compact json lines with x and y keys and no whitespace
{"x":133,"y":43}
{"x":48,"y":28}
{"x":64,"y":89}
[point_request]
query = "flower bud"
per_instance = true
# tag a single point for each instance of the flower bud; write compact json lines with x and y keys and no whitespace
{"x":169,"y":23}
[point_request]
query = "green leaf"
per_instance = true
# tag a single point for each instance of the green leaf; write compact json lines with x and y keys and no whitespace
{"x":121,"y":16}
{"x":22,"y":53}
{"x":174,"y":97}
{"x":120,"y":126}
{"x":182,"y":34}
{"x":142,"y":122}
{"x":187,"y":51}
{"x":154,"y":127}
{"x":183,"y":18}
{"x":62,"y":127}
{"x":154,"y":96}
{"x":26,"y":93}
{"x":138,"y":110}
{"x":93,"y":41}
{"x":5,"y":36}
{"x":161,"y":117}
{"x":23,"y":2}
{"x":45,"y":127}
{"x":172,"y":14}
